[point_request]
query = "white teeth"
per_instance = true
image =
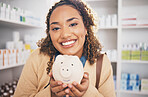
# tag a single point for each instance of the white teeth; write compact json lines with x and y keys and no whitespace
{"x":68,"y":43}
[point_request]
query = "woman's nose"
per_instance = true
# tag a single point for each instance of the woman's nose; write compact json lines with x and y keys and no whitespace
{"x":66,"y":32}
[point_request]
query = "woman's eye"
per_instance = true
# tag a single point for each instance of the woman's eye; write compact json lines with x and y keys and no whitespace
{"x":73,"y":24}
{"x":55,"y":29}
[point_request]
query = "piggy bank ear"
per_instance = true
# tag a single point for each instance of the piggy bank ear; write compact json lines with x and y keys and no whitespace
{"x":59,"y":58}
{"x":76,"y":58}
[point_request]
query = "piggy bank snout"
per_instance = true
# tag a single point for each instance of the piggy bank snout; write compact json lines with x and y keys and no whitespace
{"x":65,"y":71}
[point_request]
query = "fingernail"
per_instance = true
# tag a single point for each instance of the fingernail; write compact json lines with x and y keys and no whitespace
{"x":64,"y":85}
{"x":67,"y":91}
{"x":70,"y":86}
{"x":59,"y":83}
{"x":75,"y":83}
{"x":85,"y":75}
{"x":49,"y":73}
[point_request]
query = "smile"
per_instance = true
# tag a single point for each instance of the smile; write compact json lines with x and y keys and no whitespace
{"x":68,"y":43}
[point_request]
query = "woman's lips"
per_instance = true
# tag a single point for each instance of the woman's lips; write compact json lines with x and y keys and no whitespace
{"x":69,"y":43}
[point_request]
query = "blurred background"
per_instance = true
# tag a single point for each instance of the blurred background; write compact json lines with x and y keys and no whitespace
{"x":123,"y":32}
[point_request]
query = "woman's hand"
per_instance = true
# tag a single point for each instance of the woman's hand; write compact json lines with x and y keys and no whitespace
{"x":57,"y":87}
{"x":78,"y":90}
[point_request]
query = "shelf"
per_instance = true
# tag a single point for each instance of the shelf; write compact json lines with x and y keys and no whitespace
{"x":113,"y":61}
{"x":134,"y":92}
{"x":12,"y":23}
{"x":134,"y":61}
{"x":108,"y":28}
{"x":10,"y":66}
{"x":134,"y":27}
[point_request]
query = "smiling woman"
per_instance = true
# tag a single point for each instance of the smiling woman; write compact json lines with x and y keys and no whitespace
{"x":67,"y":30}
{"x":70,"y":31}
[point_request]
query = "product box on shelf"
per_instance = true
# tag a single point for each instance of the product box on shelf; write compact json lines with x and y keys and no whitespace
{"x":22,"y":55}
{"x":144,"y":55}
{"x":129,"y":76}
{"x":144,"y":85}
{"x":27,"y":46}
{"x":102,"y":21}
{"x":135,"y":55}
{"x":17,"y":14}
{"x":6,"y":57}
{"x":109,"y":20}
{"x":142,"y":21}
{"x":9,"y":57}
{"x":126,"y":55}
{"x":2,"y":10}
{"x":12,"y":56}
{"x":19,"y":55}
{"x":114,"y":20}
{"x":132,"y":85}
{"x":134,"y":76}
{"x":12,"y":14}
{"x":130,"y":82}
{"x":130,"y":20}
{"x":1,"y":57}
{"x":8,"y":11}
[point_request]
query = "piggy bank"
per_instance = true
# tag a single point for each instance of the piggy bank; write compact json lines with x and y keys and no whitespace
{"x":67,"y":69}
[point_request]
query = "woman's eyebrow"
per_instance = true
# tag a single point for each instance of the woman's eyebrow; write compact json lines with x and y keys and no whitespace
{"x":54,"y":23}
{"x":72,"y":19}
{"x":68,"y":20}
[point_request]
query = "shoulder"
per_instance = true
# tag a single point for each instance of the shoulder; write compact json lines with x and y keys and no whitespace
{"x":37,"y":58}
{"x":36,"y":61}
{"x":37,"y":54}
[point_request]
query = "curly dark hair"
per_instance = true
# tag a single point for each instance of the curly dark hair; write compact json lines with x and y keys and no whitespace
{"x":92,"y":46}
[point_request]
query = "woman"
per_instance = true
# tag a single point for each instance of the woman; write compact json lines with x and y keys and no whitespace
{"x":70,"y":26}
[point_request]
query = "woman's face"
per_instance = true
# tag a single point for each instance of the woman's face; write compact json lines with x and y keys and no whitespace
{"x":67,"y":30}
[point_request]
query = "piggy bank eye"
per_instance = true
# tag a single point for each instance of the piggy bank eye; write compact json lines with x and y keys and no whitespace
{"x":71,"y":64}
{"x":61,"y":62}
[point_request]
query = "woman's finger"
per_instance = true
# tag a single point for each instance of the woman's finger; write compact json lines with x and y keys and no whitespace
{"x":50,"y":74}
{"x":85,"y":80}
{"x":69,"y":92}
{"x":86,"y":75}
{"x":74,"y":90}
{"x":83,"y":86}
{"x":61,"y":93}
{"x":57,"y":89}
{"x":54,"y":83}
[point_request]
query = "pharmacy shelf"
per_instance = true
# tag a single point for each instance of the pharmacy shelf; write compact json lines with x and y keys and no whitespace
{"x":113,"y":61}
{"x":135,"y":61}
{"x":134,"y":27}
{"x":107,"y":28}
{"x":134,"y":92}
{"x":10,"y":66}
{"x":13,"y":23}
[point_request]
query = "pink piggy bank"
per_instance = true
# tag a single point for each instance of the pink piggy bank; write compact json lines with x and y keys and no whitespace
{"x":67,"y":69}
